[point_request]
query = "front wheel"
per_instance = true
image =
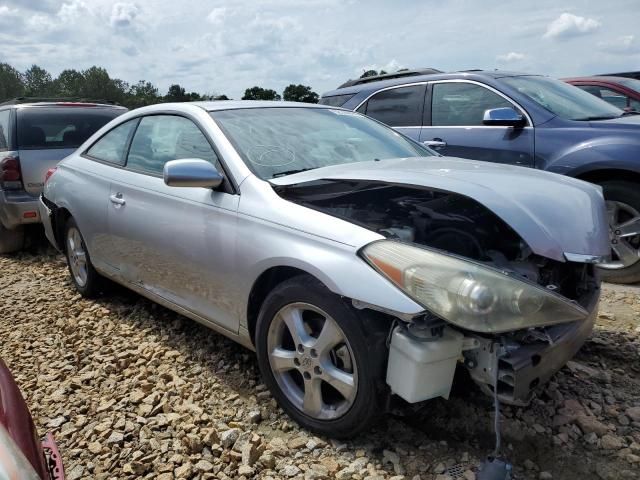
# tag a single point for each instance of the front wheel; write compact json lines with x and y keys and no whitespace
{"x":317,"y":360}
{"x":623,"y":206}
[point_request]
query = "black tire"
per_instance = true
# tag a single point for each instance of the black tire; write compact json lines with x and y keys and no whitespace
{"x":366,"y":334}
{"x":94,"y":281}
{"x":11,"y":240}
{"x":628,"y":193}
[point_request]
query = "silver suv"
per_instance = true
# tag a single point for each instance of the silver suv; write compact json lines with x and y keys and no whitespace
{"x":35,"y":136}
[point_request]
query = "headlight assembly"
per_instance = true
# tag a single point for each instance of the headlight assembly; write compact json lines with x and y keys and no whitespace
{"x":469,"y":294}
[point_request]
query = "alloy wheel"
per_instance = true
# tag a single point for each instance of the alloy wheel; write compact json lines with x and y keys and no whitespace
{"x":77,"y":255}
{"x":624,"y":224}
{"x":312,"y":361}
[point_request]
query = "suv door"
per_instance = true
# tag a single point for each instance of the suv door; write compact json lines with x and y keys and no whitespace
{"x":455,"y":127}
{"x":398,"y":107}
{"x":177,"y":243}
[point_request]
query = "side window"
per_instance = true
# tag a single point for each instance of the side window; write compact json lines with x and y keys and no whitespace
{"x":462,"y":104}
{"x":592,"y":89}
{"x":614,"y":98}
{"x":398,"y":107}
{"x":113,"y":145}
{"x":634,"y":105}
{"x":161,"y":138}
{"x":5,"y":115}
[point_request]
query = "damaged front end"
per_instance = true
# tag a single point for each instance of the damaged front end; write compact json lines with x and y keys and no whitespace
{"x":513,"y":316}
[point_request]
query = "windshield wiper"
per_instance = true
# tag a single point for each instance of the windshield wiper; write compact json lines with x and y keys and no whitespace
{"x":290,"y":172}
{"x":630,"y":112}
{"x":588,"y":119}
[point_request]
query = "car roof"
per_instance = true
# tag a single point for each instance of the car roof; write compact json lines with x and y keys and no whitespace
{"x":595,"y":78}
{"x":61,"y":105}
{"x":214,"y":105}
{"x":465,"y":74}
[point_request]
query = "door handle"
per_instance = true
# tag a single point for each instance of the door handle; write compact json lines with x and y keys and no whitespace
{"x":435,"y":143}
{"x":117,"y":199}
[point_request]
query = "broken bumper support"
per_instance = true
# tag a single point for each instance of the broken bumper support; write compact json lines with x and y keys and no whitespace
{"x":524,"y":367}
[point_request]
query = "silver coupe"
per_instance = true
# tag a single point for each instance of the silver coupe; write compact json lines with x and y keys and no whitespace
{"x":357,"y":263}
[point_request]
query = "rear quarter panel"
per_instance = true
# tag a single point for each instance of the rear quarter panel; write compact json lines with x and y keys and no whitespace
{"x":82,"y":187}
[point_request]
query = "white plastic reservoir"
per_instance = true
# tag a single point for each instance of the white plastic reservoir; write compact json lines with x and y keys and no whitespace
{"x":420,"y":369}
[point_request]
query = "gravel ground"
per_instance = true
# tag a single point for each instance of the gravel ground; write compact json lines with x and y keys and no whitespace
{"x":132,"y":390}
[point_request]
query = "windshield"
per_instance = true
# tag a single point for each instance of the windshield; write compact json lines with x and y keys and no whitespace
{"x":276,"y":141}
{"x":562,"y":99}
{"x":631,"y":83}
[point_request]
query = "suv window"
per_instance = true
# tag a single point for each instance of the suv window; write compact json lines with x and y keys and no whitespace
{"x":336,"y":100}
{"x":398,"y":107}
{"x":462,"y":104}
{"x":614,"y":98}
{"x":113,"y":145}
{"x":161,"y":138}
{"x":5,"y":115}
{"x":60,"y":127}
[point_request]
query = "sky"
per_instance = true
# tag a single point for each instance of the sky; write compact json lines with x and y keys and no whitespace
{"x":218,"y":47}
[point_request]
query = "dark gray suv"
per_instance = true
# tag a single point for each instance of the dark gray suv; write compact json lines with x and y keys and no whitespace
{"x":35,"y":136}
{"x":529,"y":120}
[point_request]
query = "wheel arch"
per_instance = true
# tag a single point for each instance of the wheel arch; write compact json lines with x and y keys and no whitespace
{"x":265,"y":283}
{"x":58,"y":222}
{"x":605,"y":174}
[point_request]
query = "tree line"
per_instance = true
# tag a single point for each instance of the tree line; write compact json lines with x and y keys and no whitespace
{"x":95,"y":84}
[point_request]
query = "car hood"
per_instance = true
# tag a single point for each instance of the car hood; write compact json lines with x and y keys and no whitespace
{"x":628,"y":121}
{"x":556,"y":215}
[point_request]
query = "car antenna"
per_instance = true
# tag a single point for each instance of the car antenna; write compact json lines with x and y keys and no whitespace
{"x":496,"y":467}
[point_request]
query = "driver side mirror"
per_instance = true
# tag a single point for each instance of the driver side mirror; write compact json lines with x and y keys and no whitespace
{"x":191,"y":172}
{"x":505,"y":117}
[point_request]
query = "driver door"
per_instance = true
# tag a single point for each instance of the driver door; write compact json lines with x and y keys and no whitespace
{"x":177,"y":243}
{"x":456,"y":128}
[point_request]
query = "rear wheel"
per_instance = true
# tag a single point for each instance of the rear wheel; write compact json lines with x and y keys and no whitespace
{"x":317,"y":360}
{"x":623,"y":206}
{"x":11,"y":240}
{"x":85,"y":278}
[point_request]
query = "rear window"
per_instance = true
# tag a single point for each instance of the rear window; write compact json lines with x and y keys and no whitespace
{"x":336,"y":100}
{"x":60,"y":127}
{"x":4,"y":129}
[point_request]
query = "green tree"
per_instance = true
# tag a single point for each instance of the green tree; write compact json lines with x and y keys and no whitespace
{"x":369,"y":73}
{"x":220,"y":97}
{"x":11,"y":85}
{"x":259,"y":93}
{"x":68,"y":84}
{"x":300,"y":93}
{"x":98,"y":85}
{"x":176,"y":94}
{"x":141,"y":94}
{"x":372,"y":73}
{"x":37,"y":82}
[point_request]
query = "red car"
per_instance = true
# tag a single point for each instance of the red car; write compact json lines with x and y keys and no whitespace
{"x":22,"y":455}
{"x":623,"y":92}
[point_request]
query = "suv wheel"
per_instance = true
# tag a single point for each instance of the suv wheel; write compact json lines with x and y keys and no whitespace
{"x":11,"y":240}
{"x":317,"y":360}
{"x":623,"y":207}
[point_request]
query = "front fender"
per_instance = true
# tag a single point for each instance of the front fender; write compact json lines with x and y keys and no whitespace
{"x":604,"y":153}
{"x":336,"y":265}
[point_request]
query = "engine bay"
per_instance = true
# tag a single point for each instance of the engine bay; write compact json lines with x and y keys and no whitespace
{"x":442,"y":220}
